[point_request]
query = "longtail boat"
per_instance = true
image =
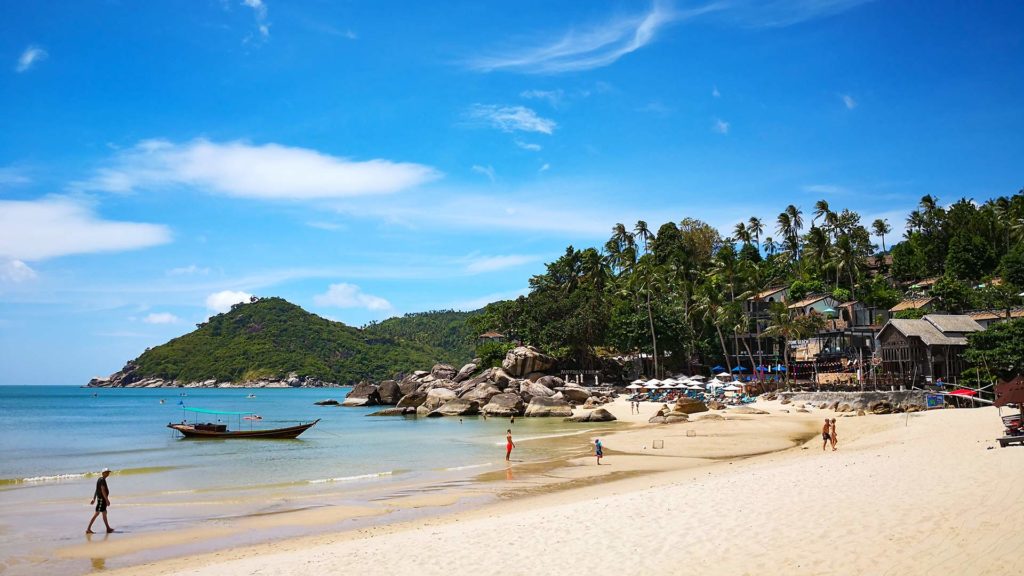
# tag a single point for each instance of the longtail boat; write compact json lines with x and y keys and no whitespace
{"x":220,"y":430}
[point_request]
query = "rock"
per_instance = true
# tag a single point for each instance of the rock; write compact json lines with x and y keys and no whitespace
{"x":522,"y":360}
{"x":574,"y":394}
{"x":501,"y":378}
{"x":393,"y":412}
{"x":443,"y":371}
{"x":465,"y":372}
{"x":438,"y":397}
{"x":822,"y":405}
{"x":676,"y":417}
{"x":390,"y":392}
{"x":861,"y":413}
{"x":914,"y":408}
{"x":599,"y":415}
{"x":844,"y":407}
{"x":412,"y":400}
{"x":803,"y":410}
{"x":482,"y":393}
{"x":688,"y":405}
{"x":747,"y":410}
{"x":550,"y":381}
{"x":504,"y":404}
{"x":362,"y":394}
{"x":328,"y":402}
{"x":834,"y":406}
{"x":458,"y":407}
{"x":420,"y":374}
{"x":785,"y":401}
{"x":592,"y":403}
{"x":408,"y":385}
{"x":880,"y":407}
{"x":656,"y":420}
{"x":530,"y":390}
{"x":534,"y":376}
{"x":545,"y":407}
{"x":716,"y":417}
{"x":716,"y":405}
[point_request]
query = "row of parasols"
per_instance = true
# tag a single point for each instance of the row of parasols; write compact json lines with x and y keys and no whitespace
{"x":686,"y":383}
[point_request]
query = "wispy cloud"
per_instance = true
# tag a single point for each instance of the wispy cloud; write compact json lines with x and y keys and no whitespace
{"x":350,"y":296}
{"x":720,"y":126}
{"x":259,"y":8}
{"x":848,"y":101}
{"x":553,"y":97}
{"x":15,"y":271}
{"x":544,"y":167}
{"x":485,"y":170}
{"x":528,"y":146}
{"x":13,"y":176}
{"x":715,"y":93}
{"x":480,"y":265}
{"x":594,"y":47}
{"x":58,"y":226}
{"x":223,"y":301}
{"x":161,"y":318}
{"x":828,"y":189}
{"x":322,"y":225}
{"x":190,"y":270}
{"x":240,"y":169}
{"x":29,"y":58}
{"x":781,"y":13}
{"x":511,"y":118}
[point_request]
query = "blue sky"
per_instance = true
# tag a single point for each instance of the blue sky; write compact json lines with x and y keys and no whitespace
{"x":160,"y":160}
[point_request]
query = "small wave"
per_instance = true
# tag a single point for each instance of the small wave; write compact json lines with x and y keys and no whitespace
{"x":467,"y":467}
{"x":546,"y":436}
{"x":352,"y":478}
{"x":80,"y":475}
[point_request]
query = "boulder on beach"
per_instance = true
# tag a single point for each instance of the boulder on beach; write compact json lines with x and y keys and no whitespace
{"x":465,"y":372}
{"x":551,"y":381}
{"x":389,"y":392}
{"x":547,"y":407}
{"x":716,"y":405}
{"x":747,"y":410}
{"x":482,"y":393}
{"x":676,"y":417}
{"x":522,"y":360}
{"x":688,"y":405}
{"x":328,"y":402}
{"x":437,"y":397}
{"x":880,"y":407}
{"x":443,"y":371}
{"x":504,"y":404}
{"x":457,"y":407}
{"x":362,"y":394}
{"x":393,"y":412}
{"x":656,"y":420}
{"x":408,"y":385}
{"x":530,"y":390}
{"x":412,"y":400}
{"x":714,"y":417}
{"x":599,"y":415}
{"x":574,"y":394}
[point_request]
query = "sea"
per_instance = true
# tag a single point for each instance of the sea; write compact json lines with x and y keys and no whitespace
{"x":54,"y":440}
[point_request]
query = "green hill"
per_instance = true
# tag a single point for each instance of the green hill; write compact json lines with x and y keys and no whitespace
{"x":271,"y":337}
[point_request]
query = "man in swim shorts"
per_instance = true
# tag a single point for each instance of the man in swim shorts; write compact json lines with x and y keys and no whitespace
{"x":826,"y":434}
{"x":598,"y":450}
{"x":101,"y":498}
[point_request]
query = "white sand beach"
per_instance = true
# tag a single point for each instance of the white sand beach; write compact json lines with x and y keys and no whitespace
{"x":924,"y":493}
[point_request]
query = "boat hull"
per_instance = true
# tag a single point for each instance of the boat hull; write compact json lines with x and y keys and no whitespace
{"x":272,"y":433}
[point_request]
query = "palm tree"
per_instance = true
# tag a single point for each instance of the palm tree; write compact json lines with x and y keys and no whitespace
{"x":644,"y":233}
{"x":741,"y":233}
{"x":881,"y":227}
{"x":755,"y":228}
{"x":715,"y":312}
{"x":820,"y":209}
{"x":769,"y":246}
{"x":915,"y":222}
{"x":643,"y":282}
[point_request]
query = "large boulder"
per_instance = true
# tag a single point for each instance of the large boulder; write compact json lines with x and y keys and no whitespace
{"x":880,"y":407}
{"x":522,"y":360}
{"x":438,"y":397}
{"x":328,"y":402}
{"x":674,"y":417}
{"x":443,"y":371}
{"x":465,"y":372}
{"x":457,"y":407}
{"x":656,"y":420}
{"x":599,"y":415}
{"x":551,"y":381}
{"x":504,"y":404}
{"x":688,"y":405}
{"x":362,"y":394}
{"x":710,"y":417}
{"x":716,"y":405}
{"x":501,"y":378}
{"x":412,"y":400}
{"x":530,"y":390}
{"x":390,"y":392}
{"x":545,"y":407}
{"x":574,"y":394}
{"x":408,"y":385}
{"x":393,"y":412}
{"x":481,"y":393}
{"x":746,"y":410}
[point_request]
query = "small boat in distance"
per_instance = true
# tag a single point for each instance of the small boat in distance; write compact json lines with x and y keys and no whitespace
{"x":220,"y":430}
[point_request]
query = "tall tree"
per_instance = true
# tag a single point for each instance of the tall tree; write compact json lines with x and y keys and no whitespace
{"x":881,"y":227}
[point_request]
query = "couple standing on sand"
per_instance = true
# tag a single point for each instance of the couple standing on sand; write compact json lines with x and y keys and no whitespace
{"x":828,"y":434}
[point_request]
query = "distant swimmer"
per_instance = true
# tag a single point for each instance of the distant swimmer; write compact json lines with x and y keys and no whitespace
{"x":101,"y":498}
{"x":509,"y":445}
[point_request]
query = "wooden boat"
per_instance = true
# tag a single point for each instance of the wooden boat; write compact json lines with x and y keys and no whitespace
{"x":220,"y":430}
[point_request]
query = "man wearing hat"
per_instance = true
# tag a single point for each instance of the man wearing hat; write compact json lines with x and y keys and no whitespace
{"x":101,"y":498}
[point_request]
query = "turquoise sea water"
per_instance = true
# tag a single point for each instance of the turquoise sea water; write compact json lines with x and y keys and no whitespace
{"x":53,"y":440}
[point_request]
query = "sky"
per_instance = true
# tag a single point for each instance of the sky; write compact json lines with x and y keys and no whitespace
{"x":162,"y":160}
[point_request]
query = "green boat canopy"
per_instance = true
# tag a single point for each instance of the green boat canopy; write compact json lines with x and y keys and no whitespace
{"x":221,"y":412}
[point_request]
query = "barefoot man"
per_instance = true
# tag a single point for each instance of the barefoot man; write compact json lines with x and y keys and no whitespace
{"x":598,"y":450}
{"x":101,"y":498}
{"x":832,"y":434}
{"x":826,"y":434}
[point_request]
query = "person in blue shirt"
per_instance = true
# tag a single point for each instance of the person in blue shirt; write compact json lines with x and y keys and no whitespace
{"x":598,"y":451}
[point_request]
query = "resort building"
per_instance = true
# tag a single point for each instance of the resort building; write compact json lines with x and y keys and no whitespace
{"x":822,"y":304}
{"x":925,"y":304}
{"x":926,"y":350}
{"x":490,"y":337}
{"x":989,"y":317}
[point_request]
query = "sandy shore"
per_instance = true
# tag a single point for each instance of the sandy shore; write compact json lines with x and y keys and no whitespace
{"x":752,"y":494}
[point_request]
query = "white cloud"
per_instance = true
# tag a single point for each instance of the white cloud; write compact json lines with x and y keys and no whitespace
{"x":494,"y":263}
{"x":11,"y":176}
{"x":485,"y":170}
{"x":781,"y":13}
{"x":544,"y":167}
{"x":720,"y":126}
{"x":848,"y":101}
{"x":15,"y":271}
{"x":190,"y":270}
{"x":528,"y":146}
{"x":240,"y":169}
{"x":29,"y":57}
{"x":553,"y":97}
{"x":830,"y":189}
{"x":223,"y":301}
{"x":161,"y":318}
{"x":58,"y":226}
{"x":259,"y":9}
{"x":321,"y":225}
{"x":594,"y":47}
{"x":511,"y":118}
{"x":350,"y":296}
{"x":715,"y":92}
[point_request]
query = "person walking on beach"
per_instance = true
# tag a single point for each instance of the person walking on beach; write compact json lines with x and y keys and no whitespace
{"x":826,"y":434}
{"x":598,"y":450}
{"x":509,"y":445}
{"x":101,"y":498}
{"x":832,"y":434}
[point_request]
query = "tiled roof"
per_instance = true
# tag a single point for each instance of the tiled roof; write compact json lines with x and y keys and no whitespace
{"x":912,"y":304}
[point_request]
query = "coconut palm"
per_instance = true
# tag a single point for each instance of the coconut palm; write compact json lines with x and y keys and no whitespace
{"x":881,"y":227}
{"x":644,"y":233}
{"x":821,"y":208}
{"x":756,"y":228}
{"x":741,"y":233}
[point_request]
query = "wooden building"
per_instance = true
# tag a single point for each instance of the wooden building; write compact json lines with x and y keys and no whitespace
{"x":926,"y":350}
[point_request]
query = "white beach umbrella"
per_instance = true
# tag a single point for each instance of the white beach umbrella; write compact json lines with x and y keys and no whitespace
{"x":731,"y":388}
{"x":695,"y":386}
{"x":697,"y":377}
{"x":634,"y":386}
{"x":723,"y":375}
{"x":639,"y":381}
{"x":669,"y":380}
{"x":653,"y":384}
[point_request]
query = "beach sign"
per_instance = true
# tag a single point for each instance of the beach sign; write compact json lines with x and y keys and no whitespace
{"x":934,"y":401}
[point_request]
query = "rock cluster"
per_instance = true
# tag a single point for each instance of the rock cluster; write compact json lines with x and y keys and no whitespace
{"x":679,"y":412}
{"x":519,"y":387}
